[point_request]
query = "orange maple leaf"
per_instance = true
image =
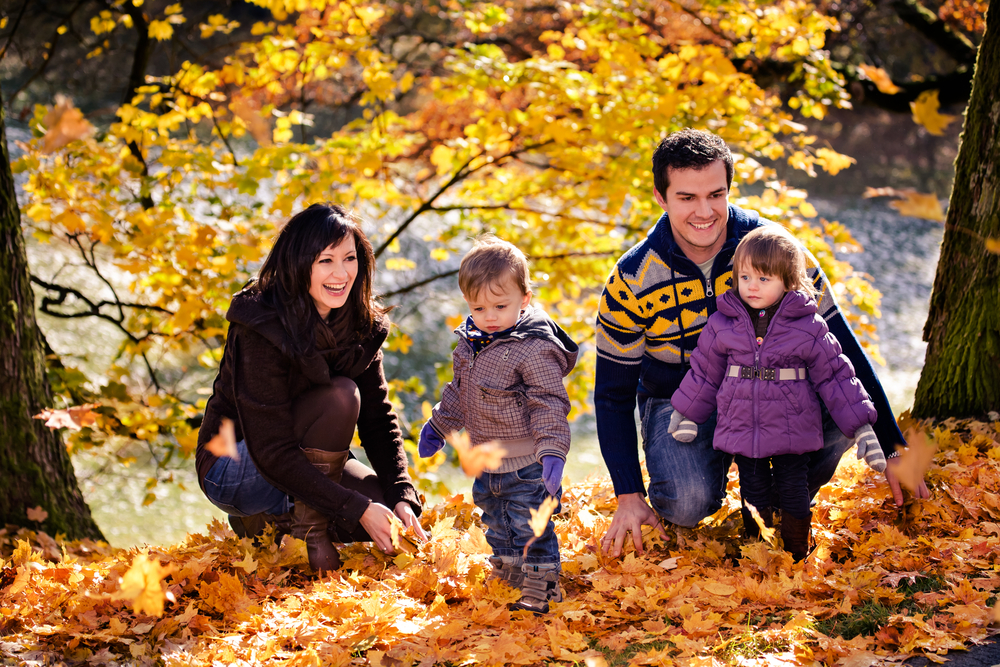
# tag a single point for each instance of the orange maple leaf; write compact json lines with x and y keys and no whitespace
{"x":912,"y":203}
{"x":257,"y":126}
{"x":911,"y":464}
{"x":75,"y":418}
{"x":64,"y":124}
{"x":223,"y":443}
{"x":880,"y":78}
{"x":475,"y":460}
{"x":37,"y":514}
{"x":141,"y":585}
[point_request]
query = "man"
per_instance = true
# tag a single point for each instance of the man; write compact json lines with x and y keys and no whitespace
{"x":654,"y":306}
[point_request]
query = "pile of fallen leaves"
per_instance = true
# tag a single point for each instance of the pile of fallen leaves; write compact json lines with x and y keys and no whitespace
{"x":702,"y":597}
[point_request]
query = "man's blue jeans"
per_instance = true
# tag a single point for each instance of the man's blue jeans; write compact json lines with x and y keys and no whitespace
{"x":507,"y":500}
{"x":688,"y":479}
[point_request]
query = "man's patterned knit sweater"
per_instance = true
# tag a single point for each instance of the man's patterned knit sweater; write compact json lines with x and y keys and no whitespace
{"x":654,"y":306}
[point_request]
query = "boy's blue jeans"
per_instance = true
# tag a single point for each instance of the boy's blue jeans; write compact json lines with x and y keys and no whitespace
{"x":688,"y":480}
{"x":506,"y":500}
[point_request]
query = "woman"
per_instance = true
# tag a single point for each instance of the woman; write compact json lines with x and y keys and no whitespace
{"x":302,"y":367}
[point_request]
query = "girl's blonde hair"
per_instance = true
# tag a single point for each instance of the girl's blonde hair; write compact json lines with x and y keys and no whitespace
{"x":771,"y":250}
{"x":491,"y":263}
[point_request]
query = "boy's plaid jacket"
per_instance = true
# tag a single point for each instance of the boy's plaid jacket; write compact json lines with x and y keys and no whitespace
{"x":512,"y":391}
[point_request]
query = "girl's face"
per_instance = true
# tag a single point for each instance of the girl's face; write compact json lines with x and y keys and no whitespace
{"x":333,"y":274}
{"x":497,"y":307}
{"x":759,"y":290}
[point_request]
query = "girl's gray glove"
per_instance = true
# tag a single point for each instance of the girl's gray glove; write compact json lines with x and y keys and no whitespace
{"x":682,"y":428}
{"x":868,"y":448}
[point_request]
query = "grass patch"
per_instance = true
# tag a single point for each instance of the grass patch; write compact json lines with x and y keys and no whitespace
{"x":751,"y":644}
{"x":622,"y":658}
{"x":868,"y":618}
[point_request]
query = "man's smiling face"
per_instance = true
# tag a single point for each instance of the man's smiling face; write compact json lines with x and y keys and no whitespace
{"x":697,"y":202}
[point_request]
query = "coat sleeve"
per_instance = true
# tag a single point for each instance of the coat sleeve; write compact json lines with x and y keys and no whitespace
{"x":548,"y":403}
{"x":696,"y":397}
{"x":447,"y":417}
{"x":262,"y":374}
{"x":832,"y":376}
{"x":378,"y":429}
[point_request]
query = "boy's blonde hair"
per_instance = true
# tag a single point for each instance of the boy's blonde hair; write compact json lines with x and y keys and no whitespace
{"x":490,"y":263}
{"x":773,"y":251}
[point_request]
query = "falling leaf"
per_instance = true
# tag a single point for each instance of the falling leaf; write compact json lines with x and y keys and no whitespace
{"x":223,"y":443}
{"x":911,"y":203}
{"x":257,"y":126}
{"x":880,"y":78}
{"x":766,"y":533}
{"x":540,"y":518}
{"x":75,"y":418}
{"x":475,"y":460}
{"x":64,"y":124}
{"x":37,"y":514}
{"x":911,"y":464}
{"x":141,"y":585}
{"x":993,"y":245}
{"x":925,"y":112}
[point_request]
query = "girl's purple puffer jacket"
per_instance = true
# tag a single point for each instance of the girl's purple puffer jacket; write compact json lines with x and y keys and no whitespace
{"x":761,"y":418}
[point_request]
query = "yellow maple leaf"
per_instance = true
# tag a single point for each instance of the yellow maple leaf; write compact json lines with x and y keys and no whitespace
{"x":766,"y":533}
{"x":64,"y":124}
{"x":475,"y":460}
{"x":161,"y":30}
{"x":925,"y":112}
{"x":540,"y":517}
{"x":75,"y":418}
{"x":223,"y":443}
{"x":911,"y":464}
{"x":912,"y":203}
{"x":880,"y":78}
{"x":141,"y":585}
{"x":993,"y":245}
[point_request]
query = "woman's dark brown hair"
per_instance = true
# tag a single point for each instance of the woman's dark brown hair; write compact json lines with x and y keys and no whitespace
{"x":285,"y":276}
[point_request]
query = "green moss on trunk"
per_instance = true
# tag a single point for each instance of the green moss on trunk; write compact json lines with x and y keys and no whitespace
{"x":962,"y":367}
{"x":35,"y":470}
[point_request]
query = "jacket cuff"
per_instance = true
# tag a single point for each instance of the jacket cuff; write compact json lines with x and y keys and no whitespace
{"x":349,"y":517}
{"x":403,"y":491}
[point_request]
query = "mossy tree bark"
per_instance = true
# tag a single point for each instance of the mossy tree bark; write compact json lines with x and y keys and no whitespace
{"x":961,"y":375}
{"x":35,"y":469}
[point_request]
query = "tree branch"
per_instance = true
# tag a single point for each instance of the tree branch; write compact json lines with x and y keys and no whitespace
{"x":952,"y":42}
{"x":419,"y":284}
{"x":13,"y":29}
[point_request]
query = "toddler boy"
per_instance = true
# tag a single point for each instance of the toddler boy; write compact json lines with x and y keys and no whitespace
{"x":508,"y":386}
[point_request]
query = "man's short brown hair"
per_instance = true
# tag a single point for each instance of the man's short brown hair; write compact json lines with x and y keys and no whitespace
{"x":490,"y":263}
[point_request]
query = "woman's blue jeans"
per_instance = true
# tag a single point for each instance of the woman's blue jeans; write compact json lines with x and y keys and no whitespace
{"x":507,"y":500}
{"x":688,"y":479}
{"x":238,"y":488}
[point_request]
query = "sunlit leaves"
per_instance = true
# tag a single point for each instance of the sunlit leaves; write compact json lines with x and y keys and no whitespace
{"x":74,"y":418}
{"x":475,"y":459}
{"x":141,"y":585}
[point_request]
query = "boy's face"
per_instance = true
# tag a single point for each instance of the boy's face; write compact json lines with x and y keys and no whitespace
{"x":496,"y":307}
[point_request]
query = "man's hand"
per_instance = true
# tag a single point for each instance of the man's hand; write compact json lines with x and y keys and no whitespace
{"x":632,"y":514}
{"x":897,"y":491}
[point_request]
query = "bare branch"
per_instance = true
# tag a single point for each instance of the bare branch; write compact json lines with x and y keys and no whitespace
{"x":419,"y":284}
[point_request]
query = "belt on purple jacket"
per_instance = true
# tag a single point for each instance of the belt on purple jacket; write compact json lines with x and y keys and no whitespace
{"x":770,"y":374}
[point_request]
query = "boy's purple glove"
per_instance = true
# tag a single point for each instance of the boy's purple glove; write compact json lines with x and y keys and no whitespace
{"x":430,"y":442}
{"x":552,"y":470}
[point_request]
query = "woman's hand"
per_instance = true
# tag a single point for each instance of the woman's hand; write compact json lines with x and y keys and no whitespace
{"x":406,"y":514}
{"x":377,"y":521}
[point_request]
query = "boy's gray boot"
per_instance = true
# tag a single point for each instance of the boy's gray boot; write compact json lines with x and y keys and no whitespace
{"x":541,"y":584}
{"x":508,"y":568}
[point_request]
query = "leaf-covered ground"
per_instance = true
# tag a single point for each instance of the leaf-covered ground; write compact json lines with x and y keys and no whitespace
{"x":883,"y":584}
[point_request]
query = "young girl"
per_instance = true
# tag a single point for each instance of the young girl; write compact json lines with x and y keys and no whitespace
{"x":761,"y":361}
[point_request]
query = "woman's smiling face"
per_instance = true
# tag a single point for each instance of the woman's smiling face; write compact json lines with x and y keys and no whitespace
{"x":333,"y":274}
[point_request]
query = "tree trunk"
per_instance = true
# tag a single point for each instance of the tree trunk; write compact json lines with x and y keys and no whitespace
{"x":961,"y":375}
{"x":35,"y":469}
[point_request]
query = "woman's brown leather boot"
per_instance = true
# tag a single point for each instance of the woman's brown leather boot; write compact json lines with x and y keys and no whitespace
{"x":309,"y":524}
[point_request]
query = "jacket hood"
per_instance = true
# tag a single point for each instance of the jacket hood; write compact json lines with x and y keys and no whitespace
{"x":535,"y":324}
{"x":794,"y":304}
{"x":249,"y":310}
